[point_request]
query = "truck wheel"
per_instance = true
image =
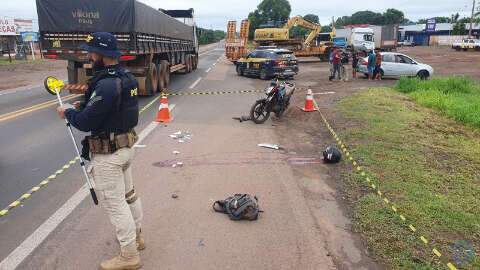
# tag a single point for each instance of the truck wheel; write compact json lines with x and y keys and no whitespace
{"x":195,"y":62}
{"x":190,"y":58}
{"x":191,"y":63}
{"x":151,"y":81}
{"x":166,"y":69}
{"x":188,"y":64}
{"x":161,"y":78}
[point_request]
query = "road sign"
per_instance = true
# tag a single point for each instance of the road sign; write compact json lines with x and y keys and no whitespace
{"x":7,"y":27}
{"x":431,"y":25}
{"x":29,"y":36}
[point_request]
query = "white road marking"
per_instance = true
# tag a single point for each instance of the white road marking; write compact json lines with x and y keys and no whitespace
{"x":324,"y":93}
{"x":206,"y":52}
{"x":195,"y":83}
{"x":19,"y":254}
{"x":140,"y":146}
{"x":38,"y":236}
{"x":208,"y":70}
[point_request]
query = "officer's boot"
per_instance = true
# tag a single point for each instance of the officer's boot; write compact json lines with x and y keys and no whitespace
{"x":140,"y":241}
{"x":129,"y":259}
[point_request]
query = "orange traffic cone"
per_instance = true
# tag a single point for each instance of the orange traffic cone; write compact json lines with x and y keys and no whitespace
{"x":309,"y":107}
{"x":163,"y":114}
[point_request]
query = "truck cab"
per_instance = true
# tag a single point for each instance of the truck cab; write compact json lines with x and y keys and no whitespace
{"x":362,"y":39}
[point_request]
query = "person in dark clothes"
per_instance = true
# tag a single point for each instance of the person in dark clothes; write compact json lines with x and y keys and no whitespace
{"x":377,"y":74}
{"x":354,"y":64}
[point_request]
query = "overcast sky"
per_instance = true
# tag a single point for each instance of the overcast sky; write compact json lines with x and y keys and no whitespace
{"x":215,"y":13}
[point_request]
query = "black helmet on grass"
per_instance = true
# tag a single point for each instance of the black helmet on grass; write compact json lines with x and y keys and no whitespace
{"x":332,"y":155}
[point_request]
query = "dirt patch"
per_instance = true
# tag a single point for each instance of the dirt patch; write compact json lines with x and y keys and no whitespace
{"x":30,"y":73}
{"x":447,"y":61}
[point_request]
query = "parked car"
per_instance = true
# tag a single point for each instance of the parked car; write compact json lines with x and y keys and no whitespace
{"x":465,"y":44}
{"x":395,"y":65}
{"x":407,"y":42}
{"x":268,"y":63}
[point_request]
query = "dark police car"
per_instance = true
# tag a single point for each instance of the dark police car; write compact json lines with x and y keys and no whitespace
{"x":268,"y":63}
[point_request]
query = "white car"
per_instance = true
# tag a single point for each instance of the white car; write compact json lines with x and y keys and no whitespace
{"x":396,"y":65}
{"x":466,"y":44}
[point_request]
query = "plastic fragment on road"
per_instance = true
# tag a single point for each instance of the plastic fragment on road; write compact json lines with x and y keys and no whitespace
{"x":139,"y":146}
{"x":178,"y":164}
{"x":181,"y":136}
{"x":270,"y":146}
{"x":243,"y":118}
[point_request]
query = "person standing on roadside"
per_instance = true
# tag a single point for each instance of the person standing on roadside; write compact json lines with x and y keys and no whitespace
{"x":354,"y":64}
{"x":378,"y":66}
{"x":110,"y":113}
{"x":336,"y":63}
{"x":330,"y":61}
{"x":371,"y":64}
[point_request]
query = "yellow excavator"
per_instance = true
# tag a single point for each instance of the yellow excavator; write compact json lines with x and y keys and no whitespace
{"x":281,"y":36}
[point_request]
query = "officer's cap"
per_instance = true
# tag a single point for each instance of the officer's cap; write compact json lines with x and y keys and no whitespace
{"x":103,"y":43}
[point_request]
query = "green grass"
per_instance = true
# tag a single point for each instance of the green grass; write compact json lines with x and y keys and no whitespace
{"x":427,"y":164}
{"x":456,"y":97}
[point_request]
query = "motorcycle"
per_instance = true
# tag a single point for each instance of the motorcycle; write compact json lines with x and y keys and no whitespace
{"x":277,"y":101}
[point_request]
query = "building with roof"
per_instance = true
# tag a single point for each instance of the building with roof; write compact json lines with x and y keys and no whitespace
{"x":418,"y":34}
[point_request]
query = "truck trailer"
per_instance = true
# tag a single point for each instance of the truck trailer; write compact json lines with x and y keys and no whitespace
{"x":385,"y":36}
{"x":152,"y":42}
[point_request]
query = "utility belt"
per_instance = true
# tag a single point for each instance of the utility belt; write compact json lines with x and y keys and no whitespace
{"x":108,"y":144}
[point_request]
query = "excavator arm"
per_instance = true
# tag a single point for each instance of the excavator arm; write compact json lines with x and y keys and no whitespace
{"x":298,"y":20}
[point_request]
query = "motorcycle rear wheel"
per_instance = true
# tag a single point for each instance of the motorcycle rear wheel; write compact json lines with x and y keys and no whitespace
{"x":258,"y":112}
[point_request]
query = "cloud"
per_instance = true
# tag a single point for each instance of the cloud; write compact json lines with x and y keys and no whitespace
{"x":215,"y":13}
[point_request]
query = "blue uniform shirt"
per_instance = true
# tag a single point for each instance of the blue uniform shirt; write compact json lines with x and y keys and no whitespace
{"x":103,"y":111}
{"x":97,"y":108}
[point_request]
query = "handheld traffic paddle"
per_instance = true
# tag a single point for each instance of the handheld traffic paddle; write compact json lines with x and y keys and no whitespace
{"x":54,"y":86}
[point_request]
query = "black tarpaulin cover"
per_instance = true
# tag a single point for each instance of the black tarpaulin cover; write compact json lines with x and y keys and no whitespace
{"x":116,"y":16}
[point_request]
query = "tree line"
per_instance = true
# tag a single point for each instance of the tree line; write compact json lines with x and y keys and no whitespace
{"x":207,"y":36}
{"x":275,"y":13}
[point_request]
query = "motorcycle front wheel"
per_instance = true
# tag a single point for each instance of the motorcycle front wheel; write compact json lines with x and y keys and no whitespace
{"x":259,"y":113}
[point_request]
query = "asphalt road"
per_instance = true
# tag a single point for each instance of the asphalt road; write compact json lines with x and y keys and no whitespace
{"x":36,"y":145}
{"x":303,"y":226}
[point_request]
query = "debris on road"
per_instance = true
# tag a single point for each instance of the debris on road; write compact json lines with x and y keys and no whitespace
{"x":178,"y":164}
{"x":270,"y":146}
{"x":243,"y":118}
{"x":182,"y":136}
{"x":238,"y":206}
{"x":139,"y":146}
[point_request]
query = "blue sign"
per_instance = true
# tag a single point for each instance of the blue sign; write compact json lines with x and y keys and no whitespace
{"x":29,"y":36}
{"x":431,"y":25}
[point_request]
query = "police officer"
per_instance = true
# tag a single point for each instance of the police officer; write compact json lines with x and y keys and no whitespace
{"x":110,"y":112}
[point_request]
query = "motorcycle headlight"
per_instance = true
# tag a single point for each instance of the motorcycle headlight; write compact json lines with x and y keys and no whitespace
{"x":268,"y":90}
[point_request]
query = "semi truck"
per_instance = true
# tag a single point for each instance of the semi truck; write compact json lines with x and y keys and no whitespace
{"x":153,"y":43}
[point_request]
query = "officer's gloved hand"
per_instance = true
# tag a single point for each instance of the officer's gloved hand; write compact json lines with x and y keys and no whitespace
{"x":61,"y":110}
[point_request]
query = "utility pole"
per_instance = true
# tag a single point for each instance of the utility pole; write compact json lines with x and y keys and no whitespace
{"x":471,"y":19}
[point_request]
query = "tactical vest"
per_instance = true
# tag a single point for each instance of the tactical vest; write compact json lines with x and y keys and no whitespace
{"x":124,"y":114}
